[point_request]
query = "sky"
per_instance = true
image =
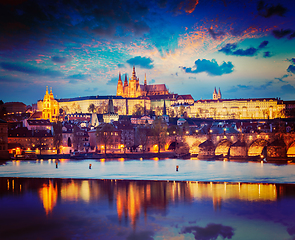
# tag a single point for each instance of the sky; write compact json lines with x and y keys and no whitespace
{"x":79,"y":47}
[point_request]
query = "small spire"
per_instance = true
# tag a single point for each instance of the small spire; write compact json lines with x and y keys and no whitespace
{"x":50,"y":90}
{"x":46,"y":89}
{"x":120,"y":80}
{"x":164,"y":108}
{"x":145,"y":79}
{"x":125,"y":82}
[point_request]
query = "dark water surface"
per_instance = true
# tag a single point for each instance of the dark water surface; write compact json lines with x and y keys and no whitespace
{"x":127,"y":209}
{"x":214,"y":200}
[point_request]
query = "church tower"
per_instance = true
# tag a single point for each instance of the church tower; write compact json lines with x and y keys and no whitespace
{"x":50,"y":107}
{"x":219,"y":94}
{"x":120,"y":86}
{"x":215,"y":97}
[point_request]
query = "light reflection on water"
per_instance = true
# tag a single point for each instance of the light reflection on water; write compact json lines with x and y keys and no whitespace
{"x":127,"y":209}
{"x":155,"y":169}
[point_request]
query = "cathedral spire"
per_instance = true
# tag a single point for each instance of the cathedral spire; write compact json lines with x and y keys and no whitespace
{"x":120,"y":86}
{"x":46,"y":89}
{"x":120,"y":80}
{"x":126,"y":81}
{"x":145,"y":79}
{"x":133,"y":72}
{"x":215,"y":97}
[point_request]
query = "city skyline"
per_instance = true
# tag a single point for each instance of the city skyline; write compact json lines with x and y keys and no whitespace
{"x":244,"y":47}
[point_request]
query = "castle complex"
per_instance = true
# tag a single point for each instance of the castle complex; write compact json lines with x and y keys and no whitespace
{"x":134,"y":89}
{"x":132,"y":95}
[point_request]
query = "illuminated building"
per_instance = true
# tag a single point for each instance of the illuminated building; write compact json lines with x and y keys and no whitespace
{"x":133,"y":89}
{"x":49,"y":107}
{"x":251,"y":108}
{"x":3,"y":140}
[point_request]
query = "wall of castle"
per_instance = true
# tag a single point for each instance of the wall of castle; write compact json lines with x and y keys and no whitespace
{"x":82,"y":105}
{"x":237,"y":109}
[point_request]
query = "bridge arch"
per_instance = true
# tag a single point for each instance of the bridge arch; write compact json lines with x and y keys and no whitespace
{"x":223,"y":147}
{"x":256,"y":147}
{"x":291,"y":150}
{"x":194,"y":149}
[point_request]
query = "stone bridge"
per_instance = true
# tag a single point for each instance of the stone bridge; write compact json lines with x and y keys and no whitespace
{"x":271,"y":145}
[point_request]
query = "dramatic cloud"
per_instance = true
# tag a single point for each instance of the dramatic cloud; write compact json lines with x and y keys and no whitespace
{"x":288,"y":88}
{"x":29,"y":69}
{"x":282,"y":33}
{"x":231,"y":49}
{"x":210,"y":67}
{"x":210,"y":232}
{"x":281,"y":78}
{"x":58,"y":59}
{"x":267,"y":11}
{"x":216,"y":35}
{"x":143,"y":62}
{"x":267,"y":54}
{"x":292,"y":60}
{"x":291,"y":69}
{"x":238,"y":87}
{"x":10,"y":79}
{"x":120,"y":65}
{"x":75,"y":78}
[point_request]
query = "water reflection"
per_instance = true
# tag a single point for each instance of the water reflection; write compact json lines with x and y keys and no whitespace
{"x":139,"y":203}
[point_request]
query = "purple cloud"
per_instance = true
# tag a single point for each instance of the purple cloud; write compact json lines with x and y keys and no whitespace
{"x":29,"y":69}
{"x":143,"y":62}
{"x":210,"y":67}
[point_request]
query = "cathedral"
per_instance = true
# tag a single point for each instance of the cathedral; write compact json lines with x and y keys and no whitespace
{"x":133,"y":89}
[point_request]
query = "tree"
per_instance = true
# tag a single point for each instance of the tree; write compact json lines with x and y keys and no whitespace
{"x":181,"y":110}
{"x":171,"y":113}
{"x":159,"y":131}
{"x":91,"y":108}
{"x":138,"y":110}
{"x":65,"y":109}
{"x":142,"y":136}
{"x":75,"y":108}
{"x":158,"y":111}
{"x":104,"y":134}
{"x":77,"y":138}
{"x":57,"y":138}
{"x":103,"y":108}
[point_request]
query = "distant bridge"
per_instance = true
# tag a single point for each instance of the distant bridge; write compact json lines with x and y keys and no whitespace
{"x":276,"y":145}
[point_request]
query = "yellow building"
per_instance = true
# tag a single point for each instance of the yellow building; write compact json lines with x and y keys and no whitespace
{"x":251,"y":108}
{"x":49,"y":107}
{"x":133,"y":89}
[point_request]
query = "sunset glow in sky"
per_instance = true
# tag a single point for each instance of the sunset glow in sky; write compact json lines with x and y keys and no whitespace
{"x":78,"y":47}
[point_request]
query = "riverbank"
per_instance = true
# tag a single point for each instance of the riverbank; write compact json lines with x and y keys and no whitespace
{"x":135,"y":155}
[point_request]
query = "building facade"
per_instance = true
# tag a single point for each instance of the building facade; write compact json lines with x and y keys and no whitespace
{"x":252,"y":108}
{"x":4,"y":140}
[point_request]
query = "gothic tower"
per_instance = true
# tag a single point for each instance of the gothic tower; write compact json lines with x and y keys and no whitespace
{"x":133,"y":84}
{"x":120,"y":86}
{"x":125,"y":88}
{"x":215,"y":94}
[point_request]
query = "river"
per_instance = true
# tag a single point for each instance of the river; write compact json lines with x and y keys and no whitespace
{"x":147,"y":199}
